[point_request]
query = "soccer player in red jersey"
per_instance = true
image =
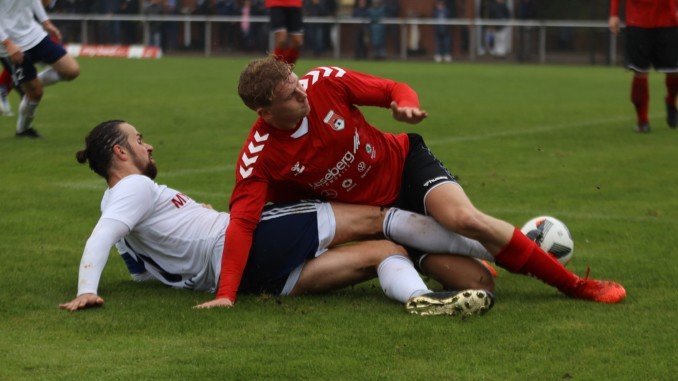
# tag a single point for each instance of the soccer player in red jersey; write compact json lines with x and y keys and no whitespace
{"x":311,"y":139}
{"x":652,"y":40}
{"x":287,"y":25}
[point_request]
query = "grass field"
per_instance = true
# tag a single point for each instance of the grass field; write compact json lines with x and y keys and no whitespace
{"x":525,"y":141}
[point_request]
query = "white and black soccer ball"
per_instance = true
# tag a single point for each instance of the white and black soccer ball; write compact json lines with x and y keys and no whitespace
{"x":552,"y":236}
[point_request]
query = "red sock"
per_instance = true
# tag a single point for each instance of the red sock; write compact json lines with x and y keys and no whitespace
{"x":523,"y":256}
{"x":291,"y":55}
{"x":6,"y":80}
{"x":279,"y":54}
{"x":640,"y":96}
{"x":671,"y":81}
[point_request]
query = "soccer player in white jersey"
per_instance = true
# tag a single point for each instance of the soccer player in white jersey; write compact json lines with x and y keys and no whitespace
{"x":25,"y":42}
{"x":163,"y":234}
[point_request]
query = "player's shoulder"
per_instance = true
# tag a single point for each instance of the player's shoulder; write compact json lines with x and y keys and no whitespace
{"x":253,"y":149}
{"x":134,"y":184}
{"x":321,"y":75}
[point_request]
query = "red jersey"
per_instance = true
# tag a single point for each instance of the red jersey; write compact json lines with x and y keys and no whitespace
{"x":648,"y":13}
{"x":282,"y":3}
{"x":333,"y":154}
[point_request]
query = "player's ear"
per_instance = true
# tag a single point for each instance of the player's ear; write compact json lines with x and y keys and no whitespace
{"x":265,"y":114}
{"x":119,"y":151}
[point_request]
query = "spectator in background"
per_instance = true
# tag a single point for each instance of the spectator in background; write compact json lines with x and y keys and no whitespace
{"x":129,"y":29}
{"x":392,"y":8}
{"x":497,"y":38}
{"x":360,"y":10}
{"x":287,"y":24}
{"x":652,"y":41}
{"x":377,"y":30}
{"x":227,"y":33}
{"x":170,"y":30}
{"x":442,"y":32}
{"x":316,"y":32}
{"x":154,"y":8}
{"x":526,"y":11}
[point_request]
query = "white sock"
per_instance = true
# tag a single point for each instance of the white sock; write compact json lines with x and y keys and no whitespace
{"x":399,"y":279}
{"x":5,"y":108}
{"x":426,"y":234}
{"x":26,"y":114}
{"x":49,"y":76}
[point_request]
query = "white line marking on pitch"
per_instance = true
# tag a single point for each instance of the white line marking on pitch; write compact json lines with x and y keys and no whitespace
{"x":532,"y":130}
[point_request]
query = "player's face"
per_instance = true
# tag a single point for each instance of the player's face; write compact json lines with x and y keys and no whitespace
{"x":289,"y":104}
{"x":141,"y":152}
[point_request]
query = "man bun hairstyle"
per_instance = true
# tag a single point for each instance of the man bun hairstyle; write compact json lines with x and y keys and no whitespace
{"x":260,"y":78}
{"x":99,"y":145}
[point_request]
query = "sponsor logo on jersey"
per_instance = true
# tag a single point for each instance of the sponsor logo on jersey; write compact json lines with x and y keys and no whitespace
{"x":348,"y":184}
{"x":429,"y":182}
{"x":179,"y":200}
{"x":334,"y":120}
{"x":247,"y":160}
{"x":329,"y":193}
{"x":370,"y":150}
{"x":298,"y":168}
{"x":356,"y":141}
{"x":362,"y":166}
{"x":336,"y":171}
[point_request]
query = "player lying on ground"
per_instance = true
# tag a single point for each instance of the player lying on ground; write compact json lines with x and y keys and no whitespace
{"x":311,"y":140}
{"x":162,"y":234}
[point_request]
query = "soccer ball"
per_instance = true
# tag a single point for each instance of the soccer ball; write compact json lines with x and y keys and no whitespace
{"x":552,"y":236}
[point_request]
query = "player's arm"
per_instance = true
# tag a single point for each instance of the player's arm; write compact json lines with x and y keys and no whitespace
{"x":13,"y":50}
{"x":41,"y":16}
{"x":367,"y":90}
{"x":106,"y":233}
{"x":614,"y":22}
{"x":247,"y":202}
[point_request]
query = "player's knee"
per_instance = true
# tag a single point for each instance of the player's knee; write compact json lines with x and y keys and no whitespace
{"x":71,"y":73}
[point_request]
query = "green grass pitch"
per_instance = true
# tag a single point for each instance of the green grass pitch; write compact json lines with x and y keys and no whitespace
{"x":524,"y":140}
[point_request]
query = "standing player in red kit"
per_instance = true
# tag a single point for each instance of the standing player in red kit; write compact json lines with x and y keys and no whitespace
{"x":652,"y":40}
{"x":311,"y":140}
{"x":287,"y":25}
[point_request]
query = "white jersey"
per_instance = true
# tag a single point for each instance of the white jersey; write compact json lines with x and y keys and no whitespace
{"x":17,"y":22}
{"x":178,"y":240}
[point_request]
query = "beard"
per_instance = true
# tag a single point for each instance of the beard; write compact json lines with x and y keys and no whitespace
{"x":151,"y":170}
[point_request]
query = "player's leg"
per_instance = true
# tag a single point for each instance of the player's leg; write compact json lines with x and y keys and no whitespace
{"x":360,"y":222}
{"x":351,"y":264}
{"x":455,"y":272}
{"x":446,"y":202}
{"x":62,"y":66}
{"x":671,"y":81}
{"x":279,"y":30}
{"x":65,"y":68}
{"x":5,"y":87}
{"x":639,"y":45}
{"x":665,"y":59}
{"x":29,"y":104}
{"x":294,"y":26}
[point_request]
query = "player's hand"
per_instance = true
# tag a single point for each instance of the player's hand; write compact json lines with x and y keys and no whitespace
{"x":613,"y":24}
{"x":208,"y":206}
{"x":83,"y":301}
{"x":219,"y":302}
{"x":52,"y":30}
{"x":14,"y":52}
{"x":412,"y":115}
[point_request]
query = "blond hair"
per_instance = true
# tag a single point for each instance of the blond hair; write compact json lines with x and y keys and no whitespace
{"x":259,"y":80}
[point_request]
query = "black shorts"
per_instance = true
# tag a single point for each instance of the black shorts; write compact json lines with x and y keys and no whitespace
{"x":47,"y":51}
{"x":285,"y":238}
{"x":287,"y":18}
{"x":652,"y":47}
{"x":422,"y":173}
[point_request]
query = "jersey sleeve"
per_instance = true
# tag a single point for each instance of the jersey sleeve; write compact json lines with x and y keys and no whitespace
{"x":106,"y":233}
{"x":367,"y":90}
{"x":614,"y":7}
{"x":247,"y":202}
{"x":39,"y":11}
{"x":132,"y":199}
